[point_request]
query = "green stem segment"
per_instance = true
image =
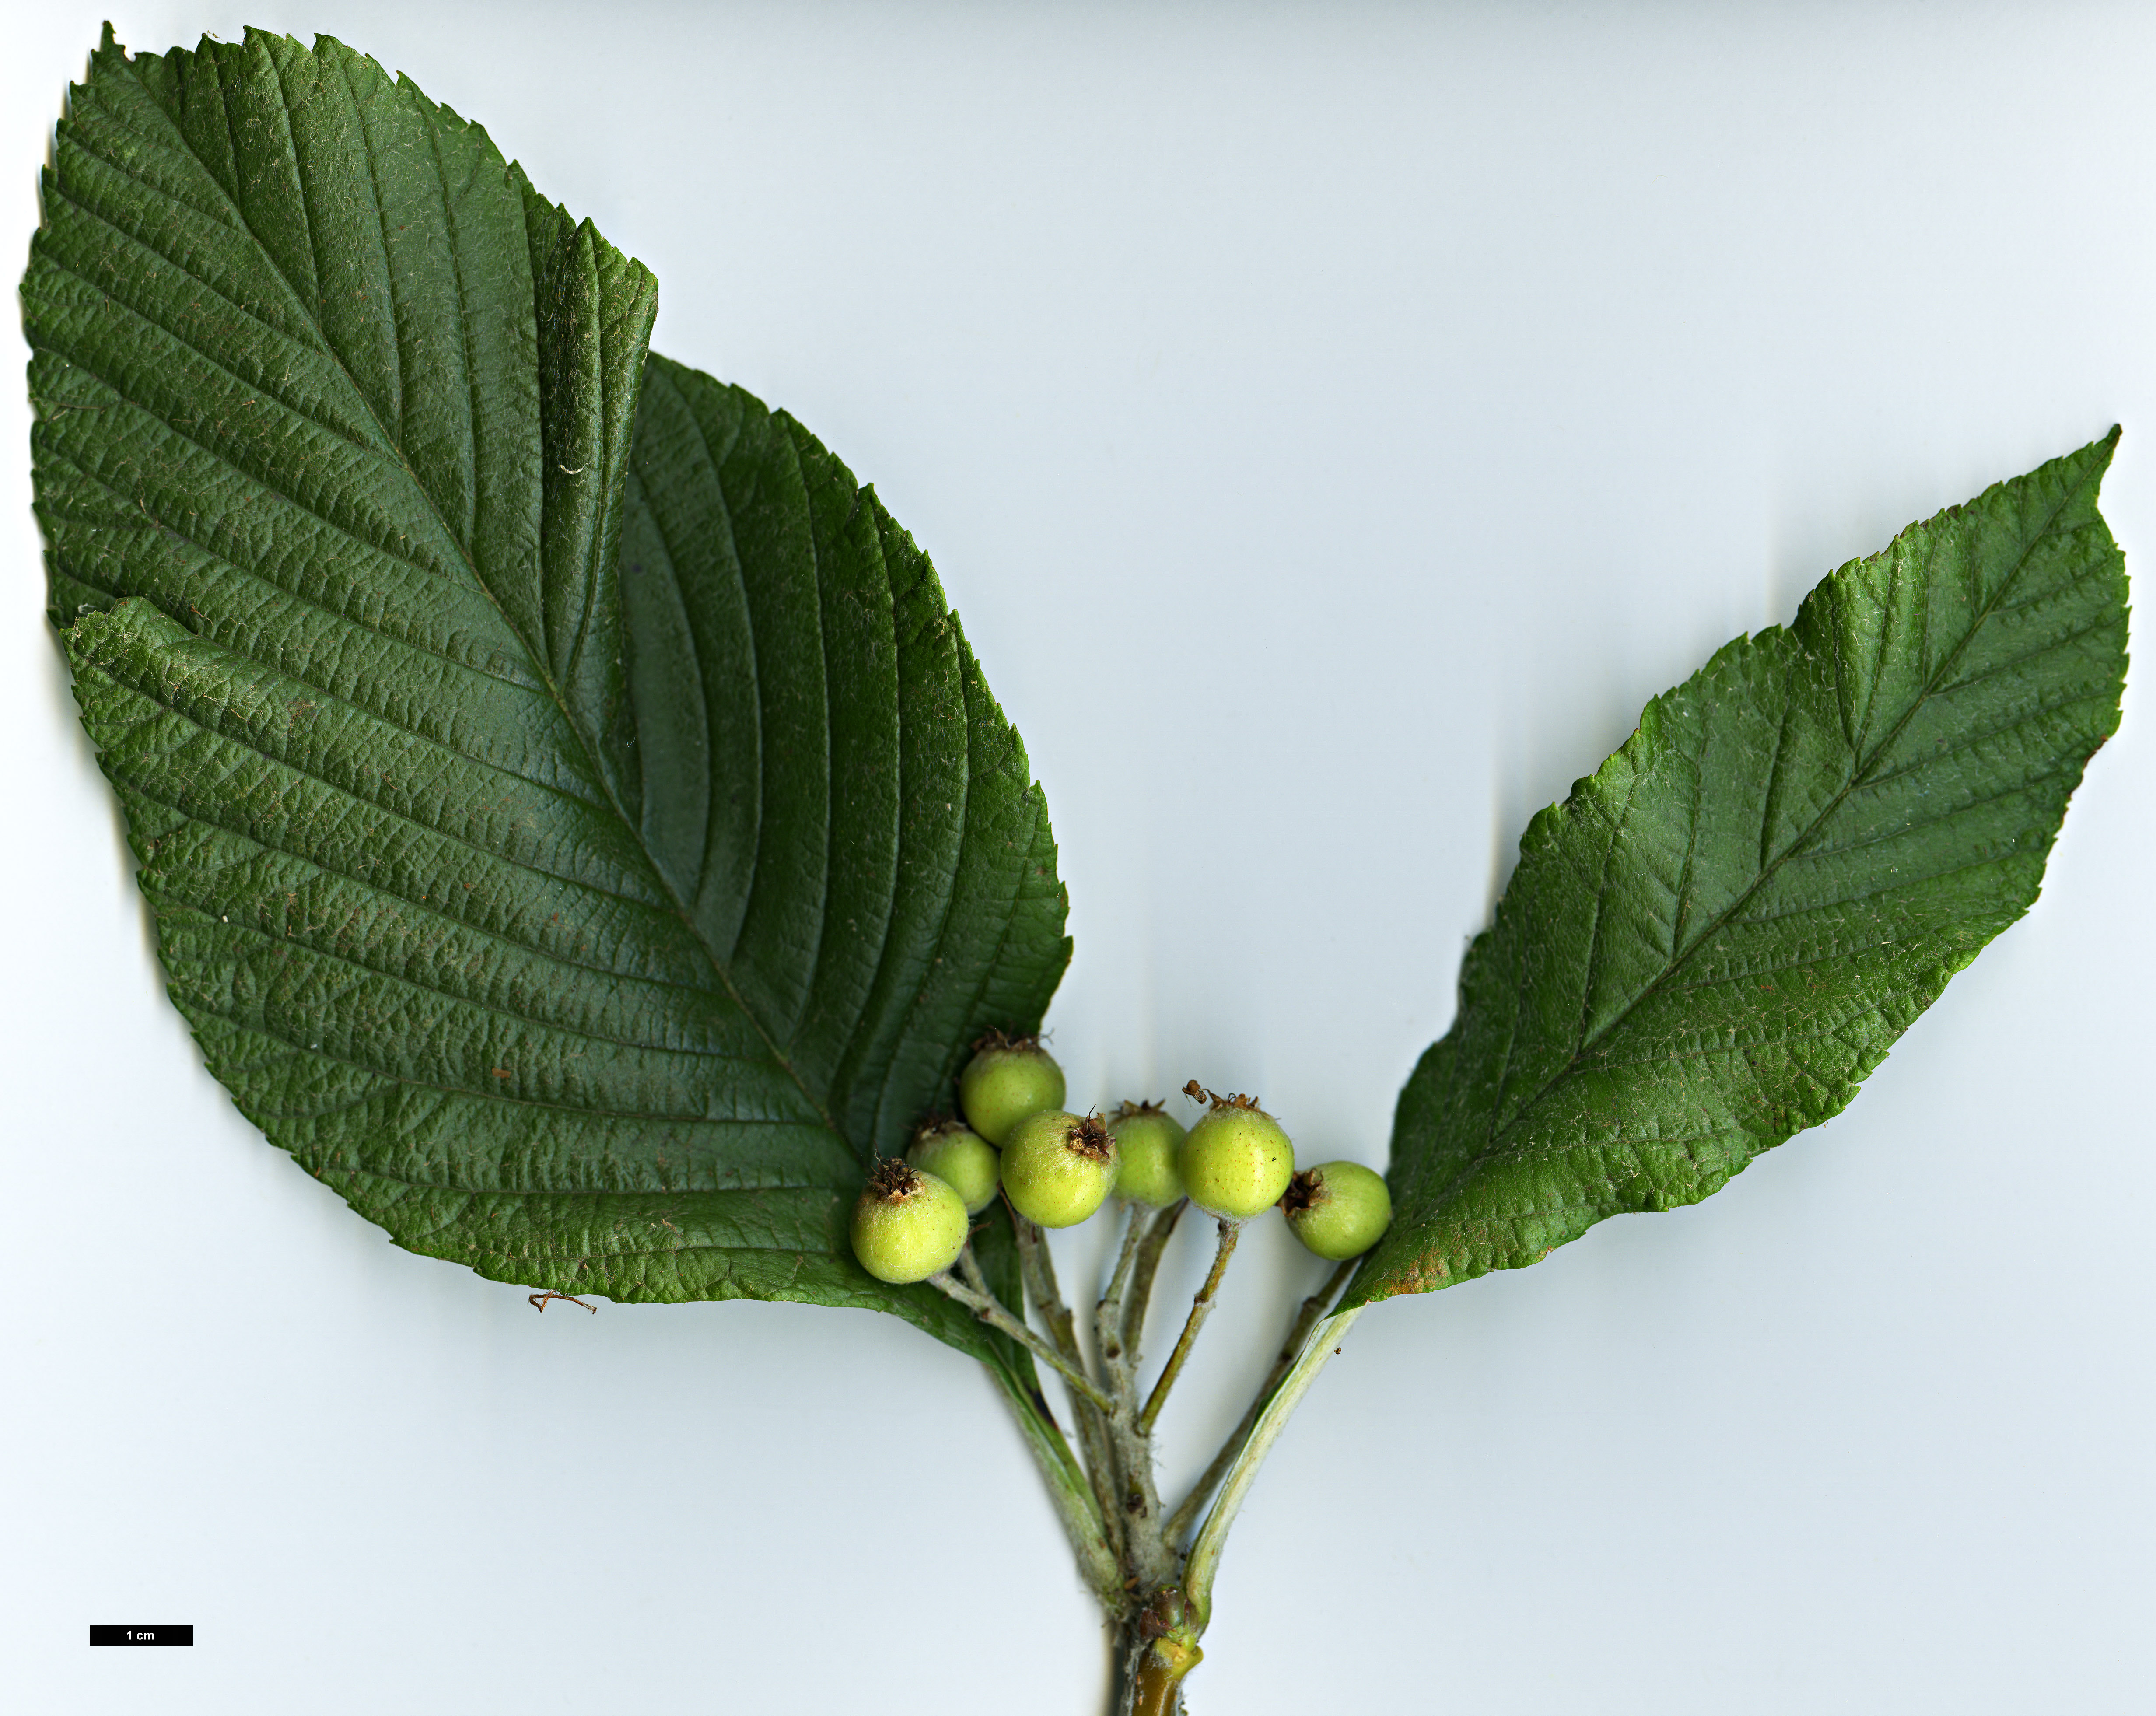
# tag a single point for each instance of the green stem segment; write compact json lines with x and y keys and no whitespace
{"x":1313,"y":1307}
{"x":1205,"y":1561}
{"x":985,"y":1307}
{"x":1139,"y":1296}
{"x":1163,"y":1647}
{"x":1133,"y":1506}
{"x":1092,"y":1408}
{"x":1160,"y":1676}
{"x":1108,"y":1314}
{"x":1111,"y":1506}
{"x":1073,"y":1498}
{"x":1201,"y":1308}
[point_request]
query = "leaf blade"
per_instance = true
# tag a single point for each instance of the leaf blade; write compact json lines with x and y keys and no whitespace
{"x":1709,"y":945}
{"x":336,"y":423}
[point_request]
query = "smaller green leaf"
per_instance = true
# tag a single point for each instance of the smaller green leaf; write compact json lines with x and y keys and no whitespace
{"x":1710,"y":944}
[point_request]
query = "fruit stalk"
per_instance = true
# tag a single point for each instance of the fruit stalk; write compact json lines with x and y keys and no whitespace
{"x":1092,"y":1404}
{"x":1108,"y":1314}
{"x":1149,"y":1558}
{"x":1055,"y":1169}
{"x":1142,"y":1271}
{"x":986,"y":1307}
{"x":1313,"y":1307}
{"x":1201,"y":1308}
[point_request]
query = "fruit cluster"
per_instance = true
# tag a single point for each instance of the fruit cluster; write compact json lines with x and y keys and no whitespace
{"x":1057,"y":1168}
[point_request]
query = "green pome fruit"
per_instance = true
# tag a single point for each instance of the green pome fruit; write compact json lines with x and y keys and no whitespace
{"x":962,"y":1157}
{"x":1007,"y":1079}
{"x":1337,"y":1209}
{"x":1058,"y":1168}
{"x":908,"y":1225}
{"x":1149,"y":1142}
{"x":1236,"y":1161}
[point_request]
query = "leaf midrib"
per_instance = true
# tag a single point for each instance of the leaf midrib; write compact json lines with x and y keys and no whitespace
{"x":1496,"y":1133}
{"x":590,"y":763}
{"x":757,"y":646}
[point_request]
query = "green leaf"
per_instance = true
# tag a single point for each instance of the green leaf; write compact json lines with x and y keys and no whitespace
{"x":576,"y":828}
{"x":1708,"y":947}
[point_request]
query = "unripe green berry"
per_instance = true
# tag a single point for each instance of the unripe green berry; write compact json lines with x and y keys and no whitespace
{"x":1007,"y":1079}
{"x":961,"y":1158}
{"x":1236,"y":1161}
{"x":1058,"y":1168}
{"x":908,"y":1225}
{"x":1149,"y":1142}
{"x":1338,"y":1208}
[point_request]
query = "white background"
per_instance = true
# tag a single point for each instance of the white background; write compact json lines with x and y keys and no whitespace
{"x":1332,"y":424}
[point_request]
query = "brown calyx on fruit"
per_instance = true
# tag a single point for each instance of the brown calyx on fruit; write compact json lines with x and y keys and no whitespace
{"x":936,"y":1121}
{"x":1197,"y":1093}
{"x":893,"y":1178}
{"x":1304,"y":1191}
{"x":1003,"y":1040}
{"x":1089,"y":1138}
{"x":1138,"y":1111}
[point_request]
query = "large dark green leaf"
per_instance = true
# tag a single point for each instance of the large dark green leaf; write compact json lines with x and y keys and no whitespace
{"x":580,"y":855}
{"x":1708,"y":947}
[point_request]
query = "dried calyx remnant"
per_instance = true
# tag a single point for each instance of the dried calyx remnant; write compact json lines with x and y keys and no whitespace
{"x":1088,"y":1136}
{"x":1339,"y":1209}
{"x":894,"y":1178}
{"x":907,"y":1225}
{"x":1306,"y":1190}
{"x":1056,"y":1167}
{"x":1237,"y":1160}
{"x":1059,"y":1167}
{"x":1197,"y":1093}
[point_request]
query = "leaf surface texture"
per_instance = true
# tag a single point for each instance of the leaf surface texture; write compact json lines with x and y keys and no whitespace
{"x":1709,"y":945}
{"x":576,"y":828}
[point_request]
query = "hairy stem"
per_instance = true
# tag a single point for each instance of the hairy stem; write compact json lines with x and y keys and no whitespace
{"x":1201,"y":1308}
{"x":1313,"y":1307}
{"x":1073,"y":1498}
{"x":1095,"y":1447}
{"x":1142,"y":1271}
{"x":1147,"y":1558}
{"x":1204,"y":1559}
{"x":1039,"y":1269}
{"x":986,"y":1307}
{"x":969,"y":1266}
{"x":1108,"y":1314}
